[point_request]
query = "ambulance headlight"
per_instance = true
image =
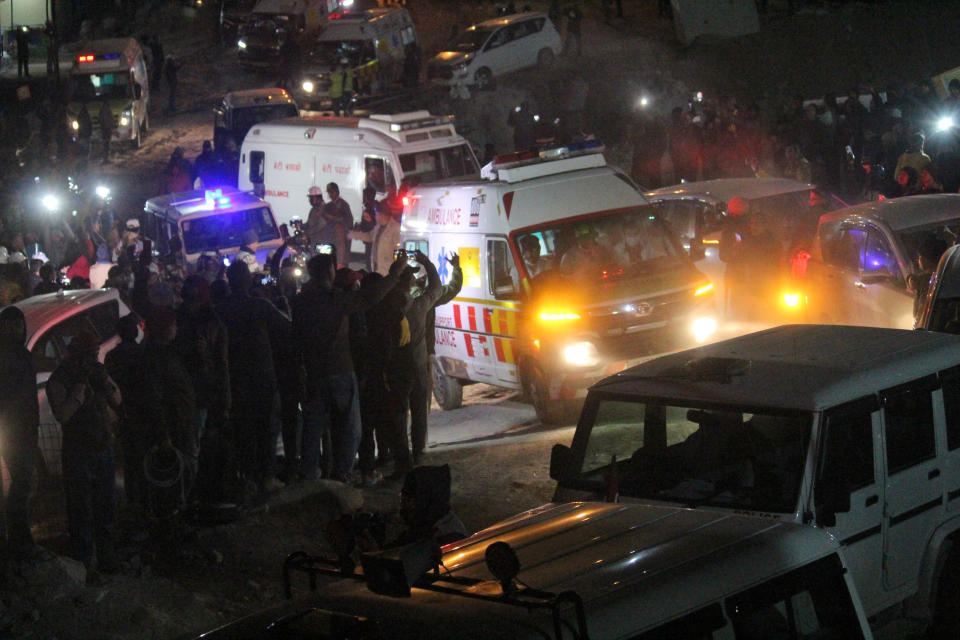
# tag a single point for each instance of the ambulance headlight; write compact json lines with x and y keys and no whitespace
{"x":241,"y":44}
{"x":581,"y":354}
{"x":703,"y":328}
{"x":307,"y":86}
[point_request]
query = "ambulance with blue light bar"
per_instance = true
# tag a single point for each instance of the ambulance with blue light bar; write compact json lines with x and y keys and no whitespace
{"x":569,"y":274}
{"x":283,"y":158}
{"x":213,"y":222}
{"x":113,"y":70}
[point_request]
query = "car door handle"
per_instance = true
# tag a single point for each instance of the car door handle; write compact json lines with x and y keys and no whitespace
{"x":934,"y":473}
{"x":871,"y":500}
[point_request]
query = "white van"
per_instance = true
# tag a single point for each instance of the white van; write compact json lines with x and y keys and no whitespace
{"x":286,"y":157}
{"x":584,"y":307}
{"x":212,"y":221}
{"x":112,"y":70}
{"x":598,"y":571}
{"x":375,"y":43}
{"x":855,"y":430}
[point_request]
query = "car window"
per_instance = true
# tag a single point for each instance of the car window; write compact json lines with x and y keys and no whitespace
{"x":908,"y":424}
{"x":499,"y":38}
{"x":104,"y":318}
{"x":52,"y":346}
{"x":501,"y":274}
{"x":878,"y":257}
{"x":848,"y":445}
{"x":842,"y":246}
{"x":950,"y":383}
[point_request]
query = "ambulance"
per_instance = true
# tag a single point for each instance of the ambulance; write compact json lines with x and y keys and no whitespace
{"x":374,"y":43}
{"x":113,"y":70}
{"x":569,"y":275}
{"x":282,"y":159}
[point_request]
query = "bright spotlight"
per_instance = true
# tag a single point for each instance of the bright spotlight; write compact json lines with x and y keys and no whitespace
{"x":51,"y":203}
{"x":944,"y":123}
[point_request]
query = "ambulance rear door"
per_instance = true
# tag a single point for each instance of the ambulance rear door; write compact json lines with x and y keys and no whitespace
{"x":499,"y":311}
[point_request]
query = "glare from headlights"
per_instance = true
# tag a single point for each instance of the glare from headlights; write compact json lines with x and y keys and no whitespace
{"x":102,"y":191}
{"x":581,"y":354}
{"x":241,"y":44}
{"x":703,"y":328}
{"x":704,"y":289}
{"x":307,"y":86}
{"x":50,"y":202}
{"x":551,"y":316}
{"x":791,"y":299}
{"x":944,"y":123}
{"x":124,"y":121}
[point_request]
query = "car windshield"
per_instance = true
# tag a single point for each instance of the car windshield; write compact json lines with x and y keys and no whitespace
{"x":246,"y":117}
{"x":94,"y":86}
{"x":226,"y":230}
{"x":332,"y":52}
{"x":727,"y":457}
{"x":603,"y":246}
{"x":470,"y":40}
{"x":437,"y":164}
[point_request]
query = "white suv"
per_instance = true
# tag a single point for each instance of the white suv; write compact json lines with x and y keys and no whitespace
{"x":495,"y":47}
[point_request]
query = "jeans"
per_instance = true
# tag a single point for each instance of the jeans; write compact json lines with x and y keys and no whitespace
{"x":20,"y":459}
{"x":89,"y":482}
{"x":333,"y":407}
{"x":419,"y":407}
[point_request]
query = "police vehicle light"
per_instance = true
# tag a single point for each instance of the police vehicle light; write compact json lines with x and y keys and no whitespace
{"x":86,"y":57}
{"x":945,"y":123}
{"x":241,"y":44}
{"x":704,"y":289}
{"x":102,"y":192}
{"x":703,"y":328}
{"x":581,"y":354}
{"x":215,"y":198}
{"x":307,"y":86}
{"x":50,"y":202}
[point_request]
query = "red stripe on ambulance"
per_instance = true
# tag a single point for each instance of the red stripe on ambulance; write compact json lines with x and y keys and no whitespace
{"x":472,"y":318}
{"x":498,"y":343}
{"x":456,"y":317}
{"x":486,"y":320}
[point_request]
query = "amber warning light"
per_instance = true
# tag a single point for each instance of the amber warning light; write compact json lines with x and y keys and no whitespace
{"x":87,"y":57}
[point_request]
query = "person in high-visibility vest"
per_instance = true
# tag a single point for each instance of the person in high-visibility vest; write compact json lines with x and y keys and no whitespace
{"x":336,"y":89}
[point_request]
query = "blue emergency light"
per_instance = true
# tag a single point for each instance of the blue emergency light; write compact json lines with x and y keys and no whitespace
{"x":214,"y":198}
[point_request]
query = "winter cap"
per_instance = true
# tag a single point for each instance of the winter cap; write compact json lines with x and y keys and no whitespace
{"x":41,"y":256}
{"x":83,"y":342}
{"x":314,"y":191}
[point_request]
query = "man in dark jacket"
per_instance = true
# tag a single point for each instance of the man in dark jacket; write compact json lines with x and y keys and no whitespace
{"x":250,"y":322}
{"x":321,"y":332}
{"x":123,"y":366}
{"x":83,"y":398}
{"x":19,"y":422}
{"x":417,"y":311}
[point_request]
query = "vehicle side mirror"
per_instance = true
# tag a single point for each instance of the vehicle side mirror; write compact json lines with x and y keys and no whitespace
{"x":697,"y":250}
{"x":560,"y":456}
{"x":137,"y":91}
{"x":504,"y":291}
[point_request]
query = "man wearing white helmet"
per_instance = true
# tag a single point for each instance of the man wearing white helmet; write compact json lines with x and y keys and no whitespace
{"x":315,"y":220}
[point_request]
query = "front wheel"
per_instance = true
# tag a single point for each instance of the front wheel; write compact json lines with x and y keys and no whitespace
{"x":946,"y":613}
{"x":447,"y":390}
{"x":483,"y":78}
{"x":536,"y":387}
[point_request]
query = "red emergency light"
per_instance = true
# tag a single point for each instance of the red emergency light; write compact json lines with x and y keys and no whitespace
{"x":86,"y":57}
{"x":335,"y":16}
{"x":512,"y":158}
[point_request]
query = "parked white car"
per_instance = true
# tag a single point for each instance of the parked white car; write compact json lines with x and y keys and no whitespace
{"x":52,"y":322}
{"x":495,"y":47}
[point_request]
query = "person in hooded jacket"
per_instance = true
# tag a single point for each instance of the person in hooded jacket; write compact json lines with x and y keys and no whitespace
{"x":19,"y":424}
{"x":84,"y":400}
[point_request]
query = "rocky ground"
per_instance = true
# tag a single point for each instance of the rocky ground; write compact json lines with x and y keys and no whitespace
{"x":192,"y":579}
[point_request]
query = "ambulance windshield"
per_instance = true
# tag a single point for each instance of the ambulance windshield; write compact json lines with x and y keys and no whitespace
{"x":95,"y":86}
{"x":731,"y":456}
{"x":607,"y":245}
{"x":226,"y":230}
{"x":438,"y":164}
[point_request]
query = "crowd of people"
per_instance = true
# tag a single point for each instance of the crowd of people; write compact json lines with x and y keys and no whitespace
{"x":861,"y":145}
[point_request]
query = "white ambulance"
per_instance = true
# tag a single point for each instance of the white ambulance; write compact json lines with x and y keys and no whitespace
{"x":112,"y":70}
{"x":284,"y":158}
{"x":569,"y":275}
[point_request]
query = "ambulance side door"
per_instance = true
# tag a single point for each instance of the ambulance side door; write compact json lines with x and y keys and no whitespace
{"x":501,"y":287}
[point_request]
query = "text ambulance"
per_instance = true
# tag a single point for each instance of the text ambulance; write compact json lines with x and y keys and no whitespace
{"x":111,"y":70}
{"x":569,"y":276}
{"x":284,"y":158}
